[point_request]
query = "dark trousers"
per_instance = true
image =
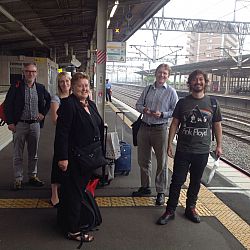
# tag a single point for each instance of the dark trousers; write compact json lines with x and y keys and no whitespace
{"x":108,"y":95}
{"x":184,"y":162}
{"x":56,"y":172}
{"x":73,"y":184}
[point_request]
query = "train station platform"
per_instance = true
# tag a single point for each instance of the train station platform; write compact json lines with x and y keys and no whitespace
{"x":28,"y":221}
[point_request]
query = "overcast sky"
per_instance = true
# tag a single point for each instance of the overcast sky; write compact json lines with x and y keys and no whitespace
{"x":194,"y":9}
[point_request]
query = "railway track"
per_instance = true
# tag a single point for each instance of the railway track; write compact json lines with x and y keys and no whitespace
{"x":231,"y":124}
{"x":239,"y":134}
{"x":242,"y":118}
{"x":235,"y":166}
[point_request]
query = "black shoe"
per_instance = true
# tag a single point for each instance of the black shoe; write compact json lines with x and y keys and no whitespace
{"x":191,"y":214}
{"x":166,"y":217}
{"x":160,"y":199}
{"x":34,"y":181}
{"x":18,"y":185}
{"x":141,"y":192}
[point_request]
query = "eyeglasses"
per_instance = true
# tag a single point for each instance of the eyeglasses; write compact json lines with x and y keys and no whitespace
{"x":30,"y":71}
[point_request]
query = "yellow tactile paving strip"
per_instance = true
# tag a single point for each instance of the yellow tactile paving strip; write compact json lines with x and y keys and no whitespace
{"x":207,"y":205}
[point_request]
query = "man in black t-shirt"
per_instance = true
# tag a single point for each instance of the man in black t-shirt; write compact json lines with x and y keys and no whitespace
{"x":193,"y":117}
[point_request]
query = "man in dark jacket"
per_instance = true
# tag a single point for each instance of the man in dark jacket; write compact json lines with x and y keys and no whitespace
{"x":26,"y":104}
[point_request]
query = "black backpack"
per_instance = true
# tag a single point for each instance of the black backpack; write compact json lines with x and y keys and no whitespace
{"x":90,"y":213}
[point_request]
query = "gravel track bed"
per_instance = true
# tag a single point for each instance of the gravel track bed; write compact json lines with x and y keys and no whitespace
{"x":236,"y":152}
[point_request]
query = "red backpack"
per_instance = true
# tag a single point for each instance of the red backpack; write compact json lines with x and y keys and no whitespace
{"x":2,"y":115}
{"x":3,"y":119}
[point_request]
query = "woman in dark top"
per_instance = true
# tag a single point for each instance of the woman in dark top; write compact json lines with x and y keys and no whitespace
{"x":78,"y":124}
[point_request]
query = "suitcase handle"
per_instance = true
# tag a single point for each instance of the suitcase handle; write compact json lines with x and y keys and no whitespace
{"x":123,"y":118}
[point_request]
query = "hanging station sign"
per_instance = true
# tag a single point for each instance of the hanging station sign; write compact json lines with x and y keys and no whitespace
{"x":116,"y":52}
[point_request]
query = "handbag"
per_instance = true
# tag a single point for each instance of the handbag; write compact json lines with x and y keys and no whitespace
{"x":136,"y":125}
{"x":89,"y":157}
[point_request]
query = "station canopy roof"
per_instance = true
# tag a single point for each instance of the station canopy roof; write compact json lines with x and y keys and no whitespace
{"x":218,"y":67}
{"x":42,"y":27}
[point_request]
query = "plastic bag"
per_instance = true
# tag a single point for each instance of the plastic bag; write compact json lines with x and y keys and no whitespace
{"x":213,"y":170}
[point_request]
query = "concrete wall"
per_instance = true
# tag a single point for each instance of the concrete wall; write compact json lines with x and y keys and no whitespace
{"x":47,"y":69}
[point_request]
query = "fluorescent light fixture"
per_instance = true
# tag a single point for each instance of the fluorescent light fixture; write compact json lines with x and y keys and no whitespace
{"x":7,"y":14}
{"x":214,"y":69}
{"x":26,"y":30}
{"x":247,"y":67}
{"x":39,"y":41}
{"x":114,"y":9}
{"x":108,"y":23}
{"x":235,"y":68}
{"x":75,"y":62}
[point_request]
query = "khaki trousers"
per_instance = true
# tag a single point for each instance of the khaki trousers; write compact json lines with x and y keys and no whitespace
{"x":153,"y":138}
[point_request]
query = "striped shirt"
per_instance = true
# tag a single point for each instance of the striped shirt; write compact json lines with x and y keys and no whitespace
{"x":30,"y":111}
{"x":161,"y":99}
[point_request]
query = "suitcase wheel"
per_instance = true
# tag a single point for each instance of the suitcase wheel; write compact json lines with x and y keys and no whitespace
{"x":126,"y":173}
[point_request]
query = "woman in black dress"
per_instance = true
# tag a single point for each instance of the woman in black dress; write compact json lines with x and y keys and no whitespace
{"x":78,"y":124}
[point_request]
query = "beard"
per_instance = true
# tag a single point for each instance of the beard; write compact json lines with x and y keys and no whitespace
{"x":197,"y":88}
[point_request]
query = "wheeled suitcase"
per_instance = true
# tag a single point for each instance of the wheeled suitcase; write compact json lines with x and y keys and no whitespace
{"x":106,"y":173}
{"x":123,"y":163}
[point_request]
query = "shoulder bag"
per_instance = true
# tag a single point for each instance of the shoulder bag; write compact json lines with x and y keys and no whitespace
{"x":90,"y":157}
{"x":136,"y":125}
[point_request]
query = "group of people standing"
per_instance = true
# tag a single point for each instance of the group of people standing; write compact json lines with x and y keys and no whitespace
{"x":192,"y":120}
{"x":78,"y":123}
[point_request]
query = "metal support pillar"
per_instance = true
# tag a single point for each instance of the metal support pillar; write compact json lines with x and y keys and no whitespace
{"x":227,"y":82}
{"x":101,"y":55}
{"x":179,"y":79}
{"x":175,"y":80}
{"x":92,"y":62}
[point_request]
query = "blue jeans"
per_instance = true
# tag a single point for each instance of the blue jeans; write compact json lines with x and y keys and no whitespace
{"x":184,"y":162}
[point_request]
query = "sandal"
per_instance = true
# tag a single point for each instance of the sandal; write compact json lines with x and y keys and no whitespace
{"x":56,"y":205}
{"x":82,"y":237}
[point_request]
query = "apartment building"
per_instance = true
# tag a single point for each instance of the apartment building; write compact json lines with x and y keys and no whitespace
{"x":210,"y":46}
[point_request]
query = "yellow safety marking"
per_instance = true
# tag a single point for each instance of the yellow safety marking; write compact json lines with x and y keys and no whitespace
{"x":103,"y":201}
{"x":18,"y":203}
{"x":207,"y":205}
{"x":44,"y":203}
{"x":122,"y":202}
{"x":144,"y":201}
{"x":233,"y":222}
